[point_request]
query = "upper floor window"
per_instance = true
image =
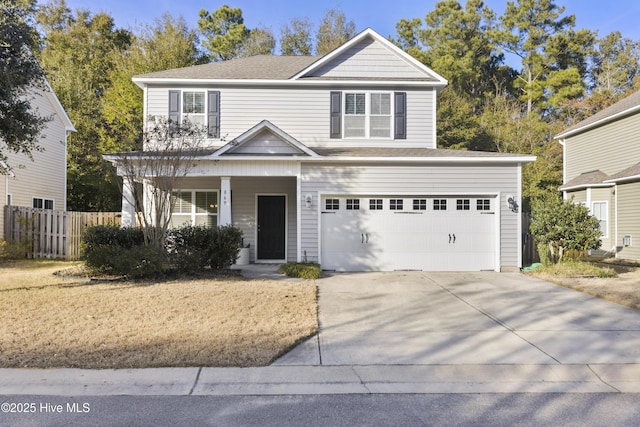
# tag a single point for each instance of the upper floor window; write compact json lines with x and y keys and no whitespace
{"x":367,"y":115}
{"x":201,"y":108}
{"x":193,"y":107}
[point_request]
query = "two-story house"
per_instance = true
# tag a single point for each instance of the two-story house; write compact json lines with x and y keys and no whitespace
{"x":333,"y":159}
{"x":41,"y":183}
{"x":602,"y":171}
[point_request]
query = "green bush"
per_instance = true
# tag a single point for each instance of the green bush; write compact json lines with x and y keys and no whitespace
{"x":225,"y":246}
{"x":189,"y":248}
{"x":302,"y":270}
{"x":111,"y":249}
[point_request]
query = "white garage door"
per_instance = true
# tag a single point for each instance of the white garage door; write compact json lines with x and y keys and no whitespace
{"x":408,"y":233}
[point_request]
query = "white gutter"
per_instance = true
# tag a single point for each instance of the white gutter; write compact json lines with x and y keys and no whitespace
{"x":142,"y":82}
{"x":623,"y":179}
{"x":587,"y":186}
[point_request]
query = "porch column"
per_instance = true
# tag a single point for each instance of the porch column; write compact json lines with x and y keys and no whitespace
{"x":128,"y":205}
{"x":224,"y":210}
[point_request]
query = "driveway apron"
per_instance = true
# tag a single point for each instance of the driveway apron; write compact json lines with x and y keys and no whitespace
{"x":415,"y":318}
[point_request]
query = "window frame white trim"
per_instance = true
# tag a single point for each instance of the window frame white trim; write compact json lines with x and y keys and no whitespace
{"x":44,"y":200}
{"x":193,"y":213}
{"x":605,"y":232}
{"x":367,"y":114}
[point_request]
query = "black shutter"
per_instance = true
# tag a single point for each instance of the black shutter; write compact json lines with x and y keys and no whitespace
{"x":400,"y":115}
{"x":213,"y":114}
{"x":335,"y":130}
{"x":174,"y":106}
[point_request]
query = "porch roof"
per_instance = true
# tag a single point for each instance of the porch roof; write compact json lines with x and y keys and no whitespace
{"x":588,"y":179}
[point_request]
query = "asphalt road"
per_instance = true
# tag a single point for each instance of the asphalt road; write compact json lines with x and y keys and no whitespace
{"x":540,"y":409}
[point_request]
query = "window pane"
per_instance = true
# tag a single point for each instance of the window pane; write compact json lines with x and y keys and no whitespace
{"x":178,"y":220}
{"x":48,"y":204}
{"x":354,"y":103}
{"x":37,"y":203}
{"x":381,"y":103}
{"x":206,"y":202}
{"x":193,"y":102}
{"x":380,"y":126}
{"x":354,"y":126}
{"x":182,"y":202}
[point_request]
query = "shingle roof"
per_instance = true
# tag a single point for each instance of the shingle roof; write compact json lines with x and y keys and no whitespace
{"x":629,"y":172}
{"x":586,"y":179}
{"x":629,"y":103}
{"x":260,"y":67}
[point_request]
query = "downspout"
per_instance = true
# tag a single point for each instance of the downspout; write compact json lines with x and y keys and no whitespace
{"x":564,"y":165}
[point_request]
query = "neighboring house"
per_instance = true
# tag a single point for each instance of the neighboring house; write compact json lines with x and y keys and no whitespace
{"x":41,"y":183}
{"x":602,"y":171}
{"x":333,"y":159}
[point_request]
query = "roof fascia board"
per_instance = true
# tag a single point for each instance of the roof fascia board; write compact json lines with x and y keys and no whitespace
{"x":623,"y":179}
{"x":600,"y":122}
{"x":57,"y":106}
{"x":585,"y":186}
{"x":142,"y":82}
{"x":329,"y":159}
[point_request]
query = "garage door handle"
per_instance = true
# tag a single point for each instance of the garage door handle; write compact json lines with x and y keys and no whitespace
{"x":449,"y":238}
{"x":362,"y":237}
{"x":367,"y":237}
{"x":454,"y":239}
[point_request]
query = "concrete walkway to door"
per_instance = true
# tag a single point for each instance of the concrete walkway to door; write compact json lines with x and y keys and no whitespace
{"x":471,"y":319}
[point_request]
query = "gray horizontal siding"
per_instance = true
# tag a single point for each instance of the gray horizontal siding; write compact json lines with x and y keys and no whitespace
{"x":629,"y":219}
{"x":368,"y":59}
{"x":423,"y":180}
{"x":610,"y":148}
{"x":303,"y":113}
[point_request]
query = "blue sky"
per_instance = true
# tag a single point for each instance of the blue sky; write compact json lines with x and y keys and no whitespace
{"x":381,"y":15}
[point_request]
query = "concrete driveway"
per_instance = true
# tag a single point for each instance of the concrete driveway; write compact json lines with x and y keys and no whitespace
{"x":420,"y":318}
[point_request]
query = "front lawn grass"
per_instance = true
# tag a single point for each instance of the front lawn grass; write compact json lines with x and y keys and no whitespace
{"x":46,"y":321}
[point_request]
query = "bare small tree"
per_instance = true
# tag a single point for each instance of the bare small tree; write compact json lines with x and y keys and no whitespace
{"x":153,"y":175}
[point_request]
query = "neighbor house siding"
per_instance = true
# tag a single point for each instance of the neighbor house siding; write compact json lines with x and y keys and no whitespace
{"x":611,"y":148}
{"x":604,"y":195}
{"x":419,"y":180}
{"x":302,"y":113}
{"x":628,"y":196}
{"x":45,"y":176}
{"x":369,"y":59}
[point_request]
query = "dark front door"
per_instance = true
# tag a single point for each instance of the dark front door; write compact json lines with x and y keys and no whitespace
{"x":271,"y":227}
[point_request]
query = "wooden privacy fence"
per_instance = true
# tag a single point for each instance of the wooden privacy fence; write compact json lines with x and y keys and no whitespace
{"x":51,"y":234}
{"x":529,"y":245}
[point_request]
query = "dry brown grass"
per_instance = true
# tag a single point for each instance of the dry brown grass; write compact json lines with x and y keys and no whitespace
{"x":623,"y":289}
{"x":46,"y":321}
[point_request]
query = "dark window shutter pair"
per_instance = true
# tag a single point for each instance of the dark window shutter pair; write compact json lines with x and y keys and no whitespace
{"x":213,"y":113}
{"x":400,"y":115}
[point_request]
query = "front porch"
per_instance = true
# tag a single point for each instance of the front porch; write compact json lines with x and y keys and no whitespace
{"x":264,"y":208}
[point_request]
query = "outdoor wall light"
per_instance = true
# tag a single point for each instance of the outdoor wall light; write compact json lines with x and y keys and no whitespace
{"x":307,"y":200}
{"x":512,"y":204}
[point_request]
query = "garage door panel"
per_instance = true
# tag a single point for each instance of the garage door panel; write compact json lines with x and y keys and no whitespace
{"x":400,"y":237}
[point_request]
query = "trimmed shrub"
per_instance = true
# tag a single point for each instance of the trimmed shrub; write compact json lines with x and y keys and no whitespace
{"x":225,"y":246}
{"x":302,"y":270}
{"x":189,"y":248}
{"x":111,"y":249}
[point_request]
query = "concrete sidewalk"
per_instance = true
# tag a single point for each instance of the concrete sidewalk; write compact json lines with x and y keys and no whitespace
{"x":289,"y":380}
